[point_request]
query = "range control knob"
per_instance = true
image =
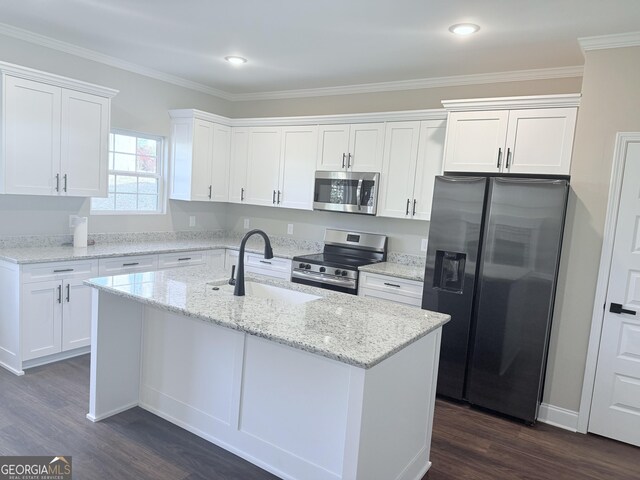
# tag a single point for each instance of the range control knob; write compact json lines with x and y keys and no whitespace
{"x":344,"y":273}
{"x":307,"y":266}
{"x":338,"y":272}
{"x":322,"y":269}
{"x":301,"y":265}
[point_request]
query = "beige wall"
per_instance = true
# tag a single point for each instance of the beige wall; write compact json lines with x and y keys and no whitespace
{"x":610,"y":103}
{"x":141,"y":105}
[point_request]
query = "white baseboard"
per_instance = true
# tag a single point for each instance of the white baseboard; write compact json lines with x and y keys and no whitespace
{"x":558,"y":417}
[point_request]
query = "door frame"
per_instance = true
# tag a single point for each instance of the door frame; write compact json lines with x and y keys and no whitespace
{"x":623,"y":139}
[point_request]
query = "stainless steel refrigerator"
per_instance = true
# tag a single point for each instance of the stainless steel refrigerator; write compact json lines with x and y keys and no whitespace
{"x":492,"y":263}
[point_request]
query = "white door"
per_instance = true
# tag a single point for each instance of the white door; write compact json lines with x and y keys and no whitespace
{"x":297,"y":166}
{"x":333,"y":146}
{"x":263,"y":164}
{"x":476,"y":141}
{"x":398,"y":169}
{"x":76,"y":314}
{"x":41,"y":319}
{"x":201,"y":188}
{"x":615,"y":409}
{"x":85,"y":133}
{"x":366,"y":143}
{"x":238,"y":164}
{"x":430,"y":157}
{"x":540,"y":140}
{"x":32,"y":137}
{"x":220,"y":163}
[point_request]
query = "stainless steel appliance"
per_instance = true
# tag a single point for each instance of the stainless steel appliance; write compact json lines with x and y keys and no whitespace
{"x":492,"y":262}
{"x":336,"y":268}
{"x":350,"y":192}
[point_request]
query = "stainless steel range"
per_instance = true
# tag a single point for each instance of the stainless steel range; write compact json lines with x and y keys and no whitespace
{"x":336,"y":268}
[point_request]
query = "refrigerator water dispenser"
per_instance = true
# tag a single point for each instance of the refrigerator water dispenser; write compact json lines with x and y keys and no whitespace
{"x":449,"y":271}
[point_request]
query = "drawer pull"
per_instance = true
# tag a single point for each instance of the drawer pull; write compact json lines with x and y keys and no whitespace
{"x":265,"y":261}
{"x":392,"y":284}
{"x":132,"y":264}
{"x":184,"y":259}
{"x":62,"y":270}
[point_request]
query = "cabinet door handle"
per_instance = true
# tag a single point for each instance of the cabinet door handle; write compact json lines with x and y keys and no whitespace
{"x":344,"y":155}
{"x":265,"y":261}
{"x":414,"y":207}
{"x":57,"y":182}
{"x":184,"y":259}
{"x":279,"y":197}
{"x":499,"y":157}
{"x":210,"y":187}
{"x":392,"y":285}
{"x":132,"y":264}
{"x":508,"y":158}
{"x":349,"y":161}
{"x":242,"y":194}
{"x":62,"y":270}
{"x":68,"y":293}
{"x":274,"y":197}
{"x":59,"y":293}
{"x":407,"y":211}
{"x":65,"y":182}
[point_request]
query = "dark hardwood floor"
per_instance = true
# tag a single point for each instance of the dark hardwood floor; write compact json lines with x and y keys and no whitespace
{"x":43,"y":413}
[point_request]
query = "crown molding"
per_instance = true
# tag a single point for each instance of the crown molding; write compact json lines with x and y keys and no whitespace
{"x":421,"y":83}
{"x":92,"y":55}
{"x":509,"y":103}
{"x":618,"y":40}
{"x":452,"y":81}
{"x":57,"y":80}
{"x":397,"y":116}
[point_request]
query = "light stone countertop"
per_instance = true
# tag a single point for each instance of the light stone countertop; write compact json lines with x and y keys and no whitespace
{"x":397,"y":270}
{"x":60,"y":254}
{"x":353,"y":330}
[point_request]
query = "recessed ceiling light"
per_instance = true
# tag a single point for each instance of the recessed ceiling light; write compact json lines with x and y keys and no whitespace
{"x":464,"y":28}
{"x":235,"y":60}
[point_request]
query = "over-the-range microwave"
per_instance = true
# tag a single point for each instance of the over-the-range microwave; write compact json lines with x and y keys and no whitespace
{"x":350,"y":192}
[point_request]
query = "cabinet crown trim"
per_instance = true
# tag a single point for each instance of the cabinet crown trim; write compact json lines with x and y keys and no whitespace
{"x":56,"y":80}
{"x":510,"y":103}
{"x":616,"y":40}
{"x":397,"y":116}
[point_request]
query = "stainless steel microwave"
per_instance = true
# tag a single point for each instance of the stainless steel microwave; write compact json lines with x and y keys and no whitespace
{"x":350,"y":192}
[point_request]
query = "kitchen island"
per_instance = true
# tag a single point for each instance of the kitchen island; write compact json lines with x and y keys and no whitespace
{"x":305,"y":383}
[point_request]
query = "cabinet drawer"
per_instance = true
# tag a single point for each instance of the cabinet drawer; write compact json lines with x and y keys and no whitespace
{"x":42,"y":272}
{"x":391,"y":285}
{"x":182,"y":259}
{"x":274,"y":264}
{"x":121,"y":265}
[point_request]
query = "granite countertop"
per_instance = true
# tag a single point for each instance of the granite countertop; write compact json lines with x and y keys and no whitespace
{"x":409,"y":272}
{"x":354,"y":330}
{"x":60,"y":254}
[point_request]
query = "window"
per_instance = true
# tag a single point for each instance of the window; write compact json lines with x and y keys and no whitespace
{"x":135,"y":175}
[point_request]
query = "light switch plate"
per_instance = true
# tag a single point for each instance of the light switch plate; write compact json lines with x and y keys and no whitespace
{"x":423,"y":245}
{"x":192,"y":220}
{"x":290,"y":228}
{"x":246,"y":224}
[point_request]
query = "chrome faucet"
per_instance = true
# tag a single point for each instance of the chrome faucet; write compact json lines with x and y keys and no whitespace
{"x":268,"y":253}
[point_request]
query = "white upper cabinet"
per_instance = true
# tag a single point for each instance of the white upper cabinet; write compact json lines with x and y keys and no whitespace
{"x":412,"y":158}
{"x":357,"y":147}
{"x":297,"y":167}
{"x":238,"y":164}
{"x":531,"y":135}
{"x":54,"y":134}
{"x":200,"y":155}
{"x":263,"y":165}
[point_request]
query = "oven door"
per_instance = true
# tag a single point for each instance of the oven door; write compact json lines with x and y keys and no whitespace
{"x":322,"y":281}
{"x":346,"y":192}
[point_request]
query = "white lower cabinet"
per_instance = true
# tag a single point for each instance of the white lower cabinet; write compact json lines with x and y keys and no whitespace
{"x":256,"y":263}
{"x":215,"y":259}
{"x":395,"y":289}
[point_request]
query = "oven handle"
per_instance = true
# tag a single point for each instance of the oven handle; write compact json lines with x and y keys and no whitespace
{"x":319,"y":277}
{"x":359,"y":193}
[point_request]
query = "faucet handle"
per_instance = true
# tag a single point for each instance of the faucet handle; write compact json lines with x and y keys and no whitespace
{"x":232,"y":281}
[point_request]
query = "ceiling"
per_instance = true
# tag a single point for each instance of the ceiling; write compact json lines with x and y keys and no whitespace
{"x":302,"y":44}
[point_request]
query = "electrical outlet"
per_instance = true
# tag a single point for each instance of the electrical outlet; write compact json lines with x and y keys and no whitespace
{"x":423,"y":245}
{"x":192,"y":220}
{"x":290,"y":228}
{"x":246,"y":224}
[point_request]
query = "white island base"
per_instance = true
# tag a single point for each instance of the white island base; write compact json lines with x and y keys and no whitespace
{"x":296,"y":414}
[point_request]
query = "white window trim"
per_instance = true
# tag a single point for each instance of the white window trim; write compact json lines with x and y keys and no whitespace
{"x":163,"y":167}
